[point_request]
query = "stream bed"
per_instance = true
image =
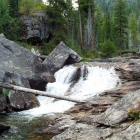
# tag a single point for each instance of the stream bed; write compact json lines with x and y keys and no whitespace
{"x":90,"y":82}
{"x":24,"y":127}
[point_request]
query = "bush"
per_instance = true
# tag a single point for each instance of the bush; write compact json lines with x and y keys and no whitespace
{"x":48,"y":47}
{"x":5,"y":92}
{"x":26,"y":6}
{"x":134,"y":113}
{"x":108,"y":49}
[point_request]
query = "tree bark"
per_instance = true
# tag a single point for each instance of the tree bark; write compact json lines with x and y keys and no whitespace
{"x":80,"y":29}
{"x":37,"y":92}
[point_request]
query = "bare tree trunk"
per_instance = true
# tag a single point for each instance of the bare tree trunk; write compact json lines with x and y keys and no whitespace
{"x":37,"y":92}
{"x":88,"y":31}
{"x":80,"y":29}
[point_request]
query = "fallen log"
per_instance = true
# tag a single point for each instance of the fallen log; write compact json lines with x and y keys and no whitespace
{"x":37,"y":92}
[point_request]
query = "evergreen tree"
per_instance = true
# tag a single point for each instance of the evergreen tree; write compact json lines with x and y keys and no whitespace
{"x":72,"y":21}
{"x":107,"y":25}
{"x":13,"y":8}
{"x":8,"y":25}
{"x":121,"y":24}
{"x":133,"y":26}
{"x":57,"y":11}
{"x":86,"y":15}
{"x":88,"y":30}
{"x":98,"y":25}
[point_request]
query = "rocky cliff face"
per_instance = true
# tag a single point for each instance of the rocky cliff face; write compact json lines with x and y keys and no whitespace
{"x":33,"y":27}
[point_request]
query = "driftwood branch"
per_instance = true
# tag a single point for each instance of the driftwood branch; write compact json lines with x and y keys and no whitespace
{"x":37,"y":92}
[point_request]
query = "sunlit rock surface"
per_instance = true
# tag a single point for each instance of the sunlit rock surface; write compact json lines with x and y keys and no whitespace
{"x":61,"y":56}
{"x":16,"y":59}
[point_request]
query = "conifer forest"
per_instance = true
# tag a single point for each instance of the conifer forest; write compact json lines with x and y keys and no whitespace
{"x":94,"y":28}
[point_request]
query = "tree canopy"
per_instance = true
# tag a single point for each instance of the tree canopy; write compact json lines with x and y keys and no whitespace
{"x":85,"y":29}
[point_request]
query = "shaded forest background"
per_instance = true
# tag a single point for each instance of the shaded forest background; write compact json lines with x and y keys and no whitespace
{"x":96,"y":28}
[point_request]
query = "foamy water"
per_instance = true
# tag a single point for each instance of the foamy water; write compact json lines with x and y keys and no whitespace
{"x":92,"y":81}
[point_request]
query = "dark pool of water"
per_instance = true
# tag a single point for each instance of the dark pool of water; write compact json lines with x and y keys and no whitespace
{"x":24,"y":127}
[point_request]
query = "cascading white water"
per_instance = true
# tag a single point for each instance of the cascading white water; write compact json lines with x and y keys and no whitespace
{"x":91,"y":82}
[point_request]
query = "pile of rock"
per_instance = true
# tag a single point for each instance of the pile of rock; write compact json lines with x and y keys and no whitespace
{"x":21,"y":67}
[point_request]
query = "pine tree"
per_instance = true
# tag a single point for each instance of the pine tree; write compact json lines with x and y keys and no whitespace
{"x":133,"y":26}
{"x":98,"y":25}
{"x":13,"y":8}
{"x":57,"y":12}
{"x":72,"y":20}
{"x":8,"y":25}
{"x":107,"y":25}
{"x":86,"y":15}
{"x":121,"y":24}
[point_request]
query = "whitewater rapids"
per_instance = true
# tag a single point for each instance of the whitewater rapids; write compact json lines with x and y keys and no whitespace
{"x":80,"y":83}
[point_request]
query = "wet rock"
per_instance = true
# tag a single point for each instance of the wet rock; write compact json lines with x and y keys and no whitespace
{"x":118,"y":112}
{"x":39,"y":81}
{"x":20,"y":100}
{"x":59,"y":125}
{"x":61,"y":56}
{"x":4,"y":127}
{"x":93,"y":106}
{"x":122,"y":90}
{"x":129,"y":71}
{"x":3,"y":102}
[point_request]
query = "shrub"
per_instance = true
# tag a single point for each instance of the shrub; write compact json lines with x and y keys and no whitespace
{"x":5,"y":92}
{"x":108,"y":49}
{"x":26,"y":6}
{"x":134,"y":113}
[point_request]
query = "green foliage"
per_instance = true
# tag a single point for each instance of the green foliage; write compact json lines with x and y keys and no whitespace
{"x":89,"y":54}
{"x":13,"y":8}
{"x":5,"y":92}
{"x":108,"y":49}
{"x":134,"y":113}
{"x":27,"y":46}
{"x":121,"y":24}
{"x":106,"y":4}
{"x":48,"y":48}
{"x":26,"y":6}
{"x":134,"y":34}
{"x":97,"y":26}
{"x":39,"y":6}
{"x":84,"y":5}
{"x":107,"y":25}
{"x":8,"y":25}
{"x":57,"y":11}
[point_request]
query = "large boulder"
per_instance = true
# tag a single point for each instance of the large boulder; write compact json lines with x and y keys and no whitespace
{"x":20,"y":100}
{"x":17,"y":59}
{"x":61,"y":56}
{"x":119,"y":111}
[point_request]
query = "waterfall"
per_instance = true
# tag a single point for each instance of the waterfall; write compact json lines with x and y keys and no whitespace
{"x":81,"y":83}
